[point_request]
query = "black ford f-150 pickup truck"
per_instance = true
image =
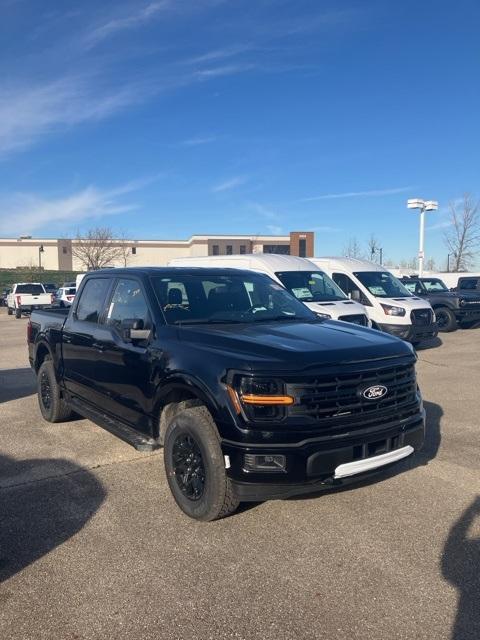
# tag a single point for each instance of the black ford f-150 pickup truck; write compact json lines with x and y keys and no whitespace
{"x":451,"y":308}
{"x":251,"y":394}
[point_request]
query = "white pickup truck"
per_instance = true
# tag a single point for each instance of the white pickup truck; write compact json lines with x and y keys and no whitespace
{"x":26,"y":296}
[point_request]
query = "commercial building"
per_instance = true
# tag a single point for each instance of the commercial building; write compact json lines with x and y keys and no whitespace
{"x":59,"y":254}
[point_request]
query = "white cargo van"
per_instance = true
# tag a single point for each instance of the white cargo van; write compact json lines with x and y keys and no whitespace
{"x":300,"y":276}
{"x":391,"y":307}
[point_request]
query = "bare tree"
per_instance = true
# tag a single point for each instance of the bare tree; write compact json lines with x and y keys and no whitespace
{"x":463,"y":238}
{"x":99,"y":248}
{"x":431,"y":265}
{"x":353,"y":249}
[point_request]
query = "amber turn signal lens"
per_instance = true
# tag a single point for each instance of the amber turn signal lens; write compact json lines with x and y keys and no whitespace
{"x":264,"y":400}
{"x":234,"y":399}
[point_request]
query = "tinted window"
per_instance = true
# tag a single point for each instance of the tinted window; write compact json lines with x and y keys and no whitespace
{"x":92,"y":299}
{"x":310,"y":286}
{"x":467,"y":283}
{"x":226,"y":299}
{"x":413,"y":287}
{"x":348,"y":286}
{"x":434,"y":284}
{"x":128,"y":302}
{"x":34,"y":289}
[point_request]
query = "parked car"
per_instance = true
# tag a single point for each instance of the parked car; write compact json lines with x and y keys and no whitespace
{"x":26,"y":296}
{"x":468,"y":284}
{"x":251,"y":394}
{"x":65,"y":296}
{"x":391,"y":307}
{"x":451,"y":308}
{"x":50,"y":287}
{"x":3,"y":297}
{"x":298,"y":275}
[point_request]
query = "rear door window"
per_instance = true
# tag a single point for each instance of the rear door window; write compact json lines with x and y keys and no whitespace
{"x":92,"y":300}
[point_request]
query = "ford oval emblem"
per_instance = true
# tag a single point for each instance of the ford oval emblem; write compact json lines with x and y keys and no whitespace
{"x":375,"y":392}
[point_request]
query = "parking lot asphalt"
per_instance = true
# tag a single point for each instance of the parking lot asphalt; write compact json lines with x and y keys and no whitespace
{"x":93,"y":546}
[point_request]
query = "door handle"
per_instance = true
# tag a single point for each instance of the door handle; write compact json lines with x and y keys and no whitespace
{"x":98,"y":346}
{"x":67,"y":339}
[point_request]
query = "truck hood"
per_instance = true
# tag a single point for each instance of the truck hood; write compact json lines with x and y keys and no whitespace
{"x":293,"y":345}
{"x":413,"y":302}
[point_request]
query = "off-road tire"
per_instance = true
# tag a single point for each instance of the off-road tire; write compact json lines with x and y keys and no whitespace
{"x":195,"y":426}
{"x":446,"y":319}
{"x":55,"y":409}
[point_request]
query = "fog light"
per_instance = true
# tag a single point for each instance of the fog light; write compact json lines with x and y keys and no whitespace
{"x":253,"y":462}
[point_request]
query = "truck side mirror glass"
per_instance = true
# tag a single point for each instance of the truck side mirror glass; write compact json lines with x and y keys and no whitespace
{"x":133,"y":329}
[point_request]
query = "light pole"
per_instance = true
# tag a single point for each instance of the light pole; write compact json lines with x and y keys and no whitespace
{"x":40,"y":251}
{"x":422,"y":205}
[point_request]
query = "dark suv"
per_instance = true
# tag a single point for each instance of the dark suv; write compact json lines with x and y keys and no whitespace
{"x":451,"y":307}
{"x":251,"y":394}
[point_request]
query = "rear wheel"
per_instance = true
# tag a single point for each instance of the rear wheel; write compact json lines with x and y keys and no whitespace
{"x":18,"y":313}
{"x":195,"y":466}
{"x":52,"y":405}
{"x":446,"y":319}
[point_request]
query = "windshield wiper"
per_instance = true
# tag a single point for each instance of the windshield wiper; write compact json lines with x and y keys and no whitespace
{"x":208,"y":321}
{"x":276,"y":318}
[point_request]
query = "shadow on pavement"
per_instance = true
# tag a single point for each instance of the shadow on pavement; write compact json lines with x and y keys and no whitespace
{"x":461,"y":567}
{"x":16,"y":383}
{"x":36,"y":517}
{"x":433,"y":343}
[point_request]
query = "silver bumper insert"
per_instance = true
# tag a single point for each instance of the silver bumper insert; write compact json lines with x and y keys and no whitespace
{"x":359,"y":466}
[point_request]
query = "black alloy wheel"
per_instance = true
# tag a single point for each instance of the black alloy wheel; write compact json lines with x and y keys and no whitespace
{"x":188,"y":466}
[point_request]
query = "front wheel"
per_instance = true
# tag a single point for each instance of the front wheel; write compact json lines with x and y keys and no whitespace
{"x":10,"y":311}
{"x":195,"y":466}
{"x":52,"y":405}
{"x":446,"y":319}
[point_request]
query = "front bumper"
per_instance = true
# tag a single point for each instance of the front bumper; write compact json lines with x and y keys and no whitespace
{"x":411,"y":332}
{"x":316,"y":464}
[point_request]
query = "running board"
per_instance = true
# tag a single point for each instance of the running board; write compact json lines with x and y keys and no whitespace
{"x":129,"y":435}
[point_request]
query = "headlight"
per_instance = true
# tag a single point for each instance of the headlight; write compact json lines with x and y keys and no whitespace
{"x":393,"y":311}
{"x":260,"y":399}
{"x":325,"y":316}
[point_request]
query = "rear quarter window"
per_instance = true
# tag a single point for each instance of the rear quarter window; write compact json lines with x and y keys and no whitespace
{"x":92,"y":300}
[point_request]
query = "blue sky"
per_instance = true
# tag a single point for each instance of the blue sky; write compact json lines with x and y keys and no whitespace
{"x":167,"y":118}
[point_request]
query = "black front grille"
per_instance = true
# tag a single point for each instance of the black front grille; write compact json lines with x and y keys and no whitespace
{"x":358,"y":318}
{"x":339,"y":399}
{"x":421,"y":317}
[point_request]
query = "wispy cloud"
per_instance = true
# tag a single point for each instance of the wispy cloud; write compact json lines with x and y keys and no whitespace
{"x":275,"y":229}
{"x":198,"y":140}
{"x":440,"y":225}
{"x":358,"y":194}
{"x":28,"y":112}
{"x":232,"y":183}
{"x":24,"y":213}
{"x":265,"y":211}
{"x":143,"y":15}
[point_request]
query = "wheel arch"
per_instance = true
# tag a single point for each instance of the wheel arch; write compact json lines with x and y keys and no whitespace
{"x":42,"y":351}
{"x":180,"y":389}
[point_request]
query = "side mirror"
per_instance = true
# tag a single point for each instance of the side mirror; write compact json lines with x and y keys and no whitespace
{"x":355,"y":295}
{"x":132,"y":329}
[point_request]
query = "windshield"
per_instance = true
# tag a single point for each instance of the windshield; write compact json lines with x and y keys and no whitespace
{"x":311,"y":286}
{"x":434,"y":284}
{"x":33,"y":289}
{"x":201,"y":299}
{"x":382,"y":284}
